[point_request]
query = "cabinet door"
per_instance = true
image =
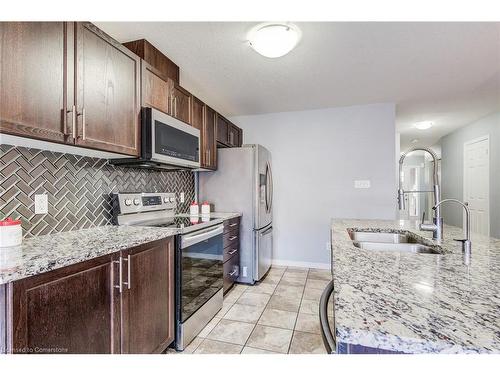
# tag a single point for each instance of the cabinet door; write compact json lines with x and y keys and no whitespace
{"x":209,"y":131}
{"x":233,"y":136}
{"x":108,"y":101}
{"x":180,"y":103}
{"x":35,"y":62}
{"x":148,"y":298}
{"x":155,"y":88}
{"x":222,"y":130}
{"x":71,"y":310}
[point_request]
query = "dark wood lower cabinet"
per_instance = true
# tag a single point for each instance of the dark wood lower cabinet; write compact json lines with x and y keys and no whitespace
{"x":82,"y":308}
{"x":148,"y":304}
{"x":231,"y":254}
{"x":70,"y":310}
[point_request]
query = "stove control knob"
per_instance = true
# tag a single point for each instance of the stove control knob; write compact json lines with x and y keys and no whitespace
{"x":172,"y":199}
{"x":136,"y":201}
{"x":128,"y":202}
{"x":165,"y":200}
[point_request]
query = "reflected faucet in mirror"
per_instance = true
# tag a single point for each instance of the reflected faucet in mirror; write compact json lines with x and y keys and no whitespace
{"x":436,"y":227}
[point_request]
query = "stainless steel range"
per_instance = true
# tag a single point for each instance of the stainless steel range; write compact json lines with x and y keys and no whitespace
{"x":198,"y":257}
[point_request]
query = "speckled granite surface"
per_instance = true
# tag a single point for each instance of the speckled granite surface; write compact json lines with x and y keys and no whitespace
{"x":416,"y":303}
{"x":46,"y":253}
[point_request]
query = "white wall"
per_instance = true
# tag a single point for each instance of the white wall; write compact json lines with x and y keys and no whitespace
{"x":316,"y":157}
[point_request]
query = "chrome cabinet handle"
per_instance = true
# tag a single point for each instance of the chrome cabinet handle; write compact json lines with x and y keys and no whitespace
{"x":233,"y":238}
{"x":329,"y":338}
{"x":120,"y":274}
{"x":232,"y":252}
{"x":129,"y":280}
{"x":233,"y":273}
{"x":233,"y":224}
{"x":73,"y":121}
{"x":84,"y":125}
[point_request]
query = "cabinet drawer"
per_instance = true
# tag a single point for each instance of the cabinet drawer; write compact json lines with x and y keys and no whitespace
{"x":231,"y":238}
{"x":231,"y":272}
{"x":231,"y":224}
{"x":231,"y":251}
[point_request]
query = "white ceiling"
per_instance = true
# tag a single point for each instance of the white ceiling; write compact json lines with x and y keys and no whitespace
{"x":448,"y":73}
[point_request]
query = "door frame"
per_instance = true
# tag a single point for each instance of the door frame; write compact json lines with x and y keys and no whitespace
{"x":485,"y":137}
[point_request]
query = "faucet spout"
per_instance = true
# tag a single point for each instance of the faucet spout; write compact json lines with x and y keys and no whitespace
{"x":466,"y":243}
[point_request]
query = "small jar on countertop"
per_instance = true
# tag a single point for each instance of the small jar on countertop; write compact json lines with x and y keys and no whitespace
{"x":194,"y":209}
{"x":205,"y":208}
{"x":11,"y":233}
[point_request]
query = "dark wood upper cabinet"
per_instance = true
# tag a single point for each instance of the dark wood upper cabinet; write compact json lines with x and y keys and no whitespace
{"x":197,"y":111}
{"x":149,"y":298}
{"x":71,"y":310}
{"x":35,"y":60}
{"x":108,"y":92}
{"x":180,"y":103}
{"x":209,"y":157}
{"x":155,"y":58}
{"x":222,"y":130}
{"x":155,"y":88}
{"x":233,"y":135}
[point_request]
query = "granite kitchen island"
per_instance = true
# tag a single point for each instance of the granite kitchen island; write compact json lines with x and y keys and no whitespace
{"x":416,"y":303}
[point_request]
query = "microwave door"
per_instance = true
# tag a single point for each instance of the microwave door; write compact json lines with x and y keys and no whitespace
{"x":174,"y":142}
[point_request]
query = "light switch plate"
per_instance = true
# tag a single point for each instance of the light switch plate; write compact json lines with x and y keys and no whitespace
{"x":362,"y":184}
{"x":182,"y":197}
{"x":41,"y":204}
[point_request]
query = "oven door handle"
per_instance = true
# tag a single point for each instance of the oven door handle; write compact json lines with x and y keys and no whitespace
{"x":189,"y":240}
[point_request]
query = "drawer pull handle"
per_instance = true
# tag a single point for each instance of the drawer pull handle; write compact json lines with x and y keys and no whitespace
{"x":233,"y":225}
{"x":233,"y":238}
{"x":233,"y":251}
{"x":120,"y":274}
{"x":233,"y":273}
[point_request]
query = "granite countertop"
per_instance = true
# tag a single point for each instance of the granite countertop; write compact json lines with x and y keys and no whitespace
{"x":416,"y":303}
{"x":45,"y":253}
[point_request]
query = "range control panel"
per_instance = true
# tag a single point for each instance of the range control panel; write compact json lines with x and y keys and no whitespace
{"x":144,"y":202}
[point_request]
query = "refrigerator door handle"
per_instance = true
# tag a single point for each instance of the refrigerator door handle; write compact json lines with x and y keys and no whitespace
{"x":268,"y":179}
{"x":271,"y":186}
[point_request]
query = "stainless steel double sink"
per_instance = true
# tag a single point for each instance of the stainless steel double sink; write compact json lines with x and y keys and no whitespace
{"x":385,"y":241}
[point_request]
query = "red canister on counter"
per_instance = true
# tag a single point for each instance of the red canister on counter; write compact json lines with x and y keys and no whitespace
{"x":11,"y":233}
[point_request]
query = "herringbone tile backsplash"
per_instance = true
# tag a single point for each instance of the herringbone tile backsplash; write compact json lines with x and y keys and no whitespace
{"x":79,"y":188}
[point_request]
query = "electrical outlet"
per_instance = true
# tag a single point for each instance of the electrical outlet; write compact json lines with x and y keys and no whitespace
{"x":41,"y":204}
{"x":245,"y":271}
{"x":362,"y":184}
{"x":182,"y":199}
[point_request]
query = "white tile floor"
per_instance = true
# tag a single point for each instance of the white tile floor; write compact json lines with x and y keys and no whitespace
{"x":277,"y":315}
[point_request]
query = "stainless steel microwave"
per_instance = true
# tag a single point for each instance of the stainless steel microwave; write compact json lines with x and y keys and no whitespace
{"x":166,"y":143}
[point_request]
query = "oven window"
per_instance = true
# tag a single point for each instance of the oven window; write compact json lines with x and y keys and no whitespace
{"x":201,"y":274}
{"x":175,"y":143}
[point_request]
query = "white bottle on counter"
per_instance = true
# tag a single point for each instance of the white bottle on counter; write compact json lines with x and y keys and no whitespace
{"x":205,"y":208}
{"x":11,"y":233}
{"x":194,"y":209}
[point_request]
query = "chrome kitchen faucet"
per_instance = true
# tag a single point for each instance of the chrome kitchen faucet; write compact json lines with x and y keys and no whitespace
{"x":436,"y":227}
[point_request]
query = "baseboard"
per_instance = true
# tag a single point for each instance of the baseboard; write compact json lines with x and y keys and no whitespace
{"x":291,"y":263}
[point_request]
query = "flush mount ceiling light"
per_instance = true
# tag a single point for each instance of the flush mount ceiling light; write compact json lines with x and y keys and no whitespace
{"x":423,"y":125}
{"x":274,"y":39}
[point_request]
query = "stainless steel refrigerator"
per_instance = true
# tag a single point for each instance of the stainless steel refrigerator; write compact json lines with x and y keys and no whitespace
{"x":243,"y":183}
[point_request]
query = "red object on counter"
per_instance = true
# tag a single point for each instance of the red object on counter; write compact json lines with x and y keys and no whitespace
{"x":9,"y":221}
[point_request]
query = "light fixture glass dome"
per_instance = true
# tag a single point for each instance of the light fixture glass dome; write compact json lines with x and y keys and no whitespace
{"x":423,"y":125}
{"x":274,"y":40}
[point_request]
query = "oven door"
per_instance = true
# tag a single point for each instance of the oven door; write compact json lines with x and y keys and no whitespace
{"x":174,"y":142}
{"x":201,"y":275}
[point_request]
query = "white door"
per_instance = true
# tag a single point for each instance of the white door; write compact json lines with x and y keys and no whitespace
{"x":477,"y":183}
